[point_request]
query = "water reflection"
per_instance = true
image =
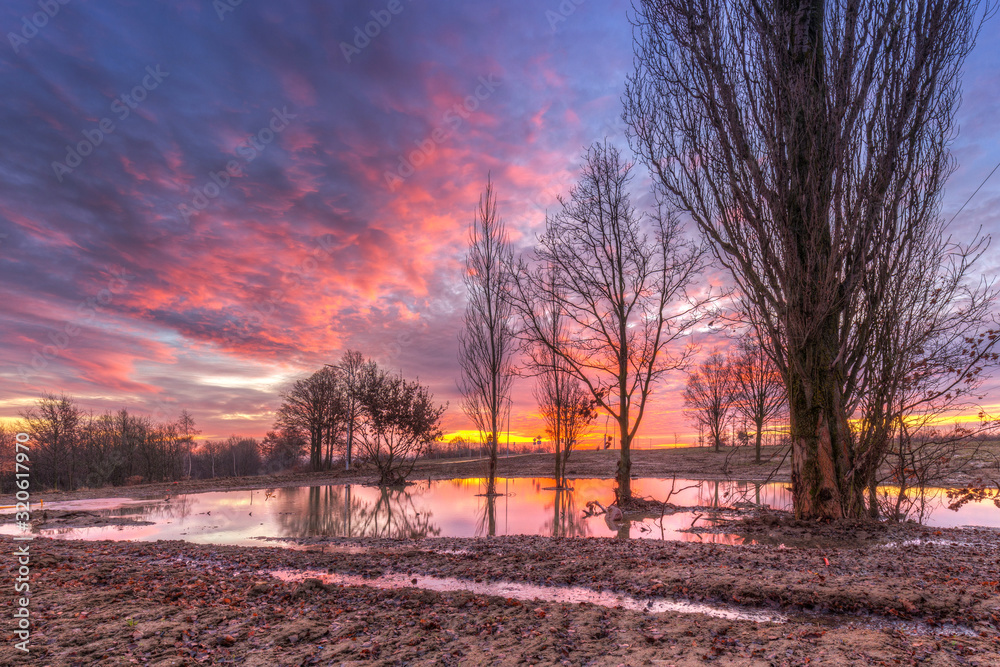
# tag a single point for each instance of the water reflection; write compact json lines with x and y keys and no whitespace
{"x":487,"y":517}
{"x":333,"y":511}
{"x":530,"y":592}
{"x":451,"y":508}
{"x":567,"y":520}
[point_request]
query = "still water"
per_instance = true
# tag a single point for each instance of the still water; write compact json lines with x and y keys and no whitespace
{"x":449,"y":508}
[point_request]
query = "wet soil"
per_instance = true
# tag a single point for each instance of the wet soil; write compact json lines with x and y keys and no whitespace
{"x":49,"y":519}
{"x":909,"y":595}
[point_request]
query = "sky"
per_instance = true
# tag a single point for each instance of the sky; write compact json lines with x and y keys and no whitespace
{"x":201,"y":202}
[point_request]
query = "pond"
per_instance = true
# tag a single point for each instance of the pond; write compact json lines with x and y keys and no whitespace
{"x":448,"y":508}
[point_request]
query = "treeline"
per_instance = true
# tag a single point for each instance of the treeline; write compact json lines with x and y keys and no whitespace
{"x":742,"y":387}
{"x":460,"y":447}
{"x":70,"y":448}
{"x":354,"y":409}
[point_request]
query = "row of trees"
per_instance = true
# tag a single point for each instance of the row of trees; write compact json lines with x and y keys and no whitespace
{"x":744,"y":385}
{"x":597,"y":309}
{"x":393,"y":421}
{"x":356,"y":405}
{"x":809,"y":143}
{"x":461,"y":447}
{"x":71,"y":448}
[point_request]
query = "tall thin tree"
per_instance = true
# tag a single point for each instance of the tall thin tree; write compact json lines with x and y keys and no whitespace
{"x":352,"y":367}
{"x":487,"y":343}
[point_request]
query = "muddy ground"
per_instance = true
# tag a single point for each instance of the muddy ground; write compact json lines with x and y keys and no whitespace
{"x":853,"y":593}
{"x":686,"y":463}
{"x":900,"y":595}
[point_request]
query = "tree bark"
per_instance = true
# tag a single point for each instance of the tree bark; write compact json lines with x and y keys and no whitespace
{"x":757,"y":440}
{"x":623,"y":490}
{"x":821,"y":436}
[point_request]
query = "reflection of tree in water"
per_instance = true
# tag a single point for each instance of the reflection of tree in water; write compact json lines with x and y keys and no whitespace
{"x":395,"y":516}
{"x":732,"y":494}
{"x":913,"y":504}
{"x":178,"y":508}
{"x":566,"y":520}
{"x":335,"y":511}
{"x":487,"y":523}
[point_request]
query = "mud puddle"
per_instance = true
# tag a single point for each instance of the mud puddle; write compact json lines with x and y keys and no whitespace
{"x":528,"y":592}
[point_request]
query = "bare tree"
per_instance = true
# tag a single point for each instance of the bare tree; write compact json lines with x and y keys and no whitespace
{"x":809,"y":142}
{"x":351,"y":367}
{"x":187,"y":430}
{"x":399,"y":423}
{"x":567,"y":409}
{"x":314,"y":406}
{"x":54,"y":425}
{"x":487,"y":342}
{"x":623,"y":295}
{"x":244,"y":453}
{"x":709,"y":396}
{"x":758,"y":391}
{"x":213,"y":451}
{"x":929,"y":363}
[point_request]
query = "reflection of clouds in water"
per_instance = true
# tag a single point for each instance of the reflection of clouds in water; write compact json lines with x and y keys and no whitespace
{"x":449,"y":508}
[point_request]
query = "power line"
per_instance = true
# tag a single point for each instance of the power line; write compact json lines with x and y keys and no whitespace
{"x":973,"y":194}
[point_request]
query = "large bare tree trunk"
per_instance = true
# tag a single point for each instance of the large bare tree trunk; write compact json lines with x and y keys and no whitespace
{"x":623,"y":487}
{"x":491,"y":487}
{"x":759,"y":425}
{"x":819,"y":433}
{"x":809,"y":142}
